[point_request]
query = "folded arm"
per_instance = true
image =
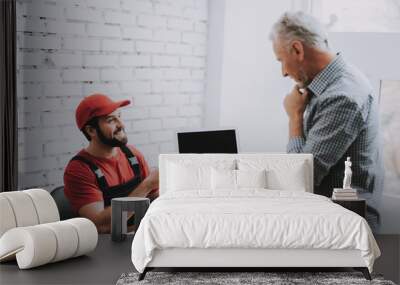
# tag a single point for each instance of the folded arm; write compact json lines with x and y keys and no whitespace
{"x":101,"y":216}
{"x":335,"y":126}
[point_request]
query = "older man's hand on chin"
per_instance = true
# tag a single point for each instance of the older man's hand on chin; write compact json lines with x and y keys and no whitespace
{"x":295,"y":104}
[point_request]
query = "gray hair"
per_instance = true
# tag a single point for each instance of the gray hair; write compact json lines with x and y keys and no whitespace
{"x":300,"y":26}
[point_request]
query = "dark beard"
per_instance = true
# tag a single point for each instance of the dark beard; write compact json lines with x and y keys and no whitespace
{"x":110,"y":142}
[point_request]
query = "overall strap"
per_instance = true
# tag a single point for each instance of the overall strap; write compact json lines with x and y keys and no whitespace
{"x":122,"y":190}
{"x":101,"y":180}
{"x":133,"y":161}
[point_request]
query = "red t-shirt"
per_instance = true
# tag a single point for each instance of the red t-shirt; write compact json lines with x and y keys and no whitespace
{"x":80,"y":183}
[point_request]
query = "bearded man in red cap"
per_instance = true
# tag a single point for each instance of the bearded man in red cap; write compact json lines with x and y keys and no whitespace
{"x":107,"y":168}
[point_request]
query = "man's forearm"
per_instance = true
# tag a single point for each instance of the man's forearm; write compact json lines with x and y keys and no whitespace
{"x":103,"y":221}
{"x":103,"y":218}
{"x":296,"y":138}
{"x":142,"y":190}
{"x":295,"y":127}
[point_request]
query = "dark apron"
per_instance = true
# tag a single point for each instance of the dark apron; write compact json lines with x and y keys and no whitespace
{"x":122,"y":190}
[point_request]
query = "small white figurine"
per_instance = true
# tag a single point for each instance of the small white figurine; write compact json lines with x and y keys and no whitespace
{"x":347,"y":174}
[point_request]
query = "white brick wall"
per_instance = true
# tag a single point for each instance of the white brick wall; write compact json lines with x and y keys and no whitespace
{"x":151,"y":52}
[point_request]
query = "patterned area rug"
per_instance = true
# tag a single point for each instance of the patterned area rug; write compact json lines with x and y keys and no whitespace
{"x":231,"y":278}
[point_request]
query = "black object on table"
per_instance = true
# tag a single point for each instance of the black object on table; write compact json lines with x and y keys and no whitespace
{"x":119,"y":217}
{"x":358,"y":206}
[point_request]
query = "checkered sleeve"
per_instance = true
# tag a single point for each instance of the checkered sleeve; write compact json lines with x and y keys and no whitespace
{"x":335,"y":126}
{"x":295,"y":145}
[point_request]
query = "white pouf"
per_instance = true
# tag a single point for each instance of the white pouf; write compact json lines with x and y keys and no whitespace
{"x":31,"y":231}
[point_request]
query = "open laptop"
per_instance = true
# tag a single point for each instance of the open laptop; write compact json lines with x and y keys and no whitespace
{"x":218,"y":141}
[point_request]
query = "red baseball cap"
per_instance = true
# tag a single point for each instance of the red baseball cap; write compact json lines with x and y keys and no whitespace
{"x":96,"y":105}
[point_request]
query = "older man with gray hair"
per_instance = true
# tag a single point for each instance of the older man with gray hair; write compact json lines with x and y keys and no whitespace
{"x":332,"y":112}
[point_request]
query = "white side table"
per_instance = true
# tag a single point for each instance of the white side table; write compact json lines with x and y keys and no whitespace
{"x":119,"y":209}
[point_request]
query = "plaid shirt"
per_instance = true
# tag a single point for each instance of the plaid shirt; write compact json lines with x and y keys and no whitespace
{"x":341,"y":120}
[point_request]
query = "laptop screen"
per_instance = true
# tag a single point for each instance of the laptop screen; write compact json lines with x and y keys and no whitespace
{"x":220,"y":141}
